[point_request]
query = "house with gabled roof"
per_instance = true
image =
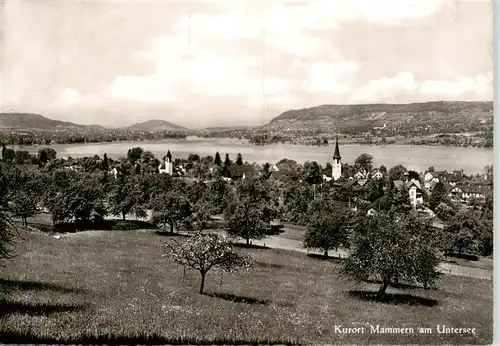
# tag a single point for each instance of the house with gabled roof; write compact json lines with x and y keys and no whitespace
{"x":414,"y":189}
{"x":240,"y":171}
{"x":464,"y":192}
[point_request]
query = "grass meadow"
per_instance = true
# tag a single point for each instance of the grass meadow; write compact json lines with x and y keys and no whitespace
{"x":115,"y":287}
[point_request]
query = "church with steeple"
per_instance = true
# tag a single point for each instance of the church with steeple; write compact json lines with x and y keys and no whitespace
{"x":337,"y":161}
{"x":167,"y":165}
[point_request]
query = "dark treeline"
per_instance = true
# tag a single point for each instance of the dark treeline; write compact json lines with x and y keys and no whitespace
{"x":66,"y":137}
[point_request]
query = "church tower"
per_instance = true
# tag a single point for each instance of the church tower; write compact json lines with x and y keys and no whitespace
{"x":169,"y":164}
{"x":337,"y":162}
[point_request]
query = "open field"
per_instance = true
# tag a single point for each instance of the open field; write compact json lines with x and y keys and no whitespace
{"x":109,"y":285}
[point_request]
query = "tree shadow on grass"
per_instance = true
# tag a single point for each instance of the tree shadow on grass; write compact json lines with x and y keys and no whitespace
{"x":171,"y":234}
{"x":8,"y":285}
{"x":8,"y":308}
{"x":101,"y":225}
{"x":323,"y":258}
{"x":144,"y":339}
{"x":249,"y":246}
{"x":268,"y":265}
{"x":402,"y":285}
{"x":394,"y":298}
{"x":238,"y":299}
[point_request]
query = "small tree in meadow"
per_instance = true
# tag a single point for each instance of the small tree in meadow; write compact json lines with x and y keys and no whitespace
{"x":393,"y":247}
{"x":204,"y":252}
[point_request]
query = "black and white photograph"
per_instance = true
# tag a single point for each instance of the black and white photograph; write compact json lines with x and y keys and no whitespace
{"x":247,"y":172}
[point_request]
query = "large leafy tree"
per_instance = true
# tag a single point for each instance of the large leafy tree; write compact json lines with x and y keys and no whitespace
{"x":364,"y":161}
{"x":463,"y":231}
{"x":249,"y":211}
{"x":128,"y":196}
{"x":392,"y":247}
{"x":204,"y":252}
{"x":311,"y":172}
{"x":297,"y":197}
{"x":46,"y":154}
{"x":438,"y":195}
{"x":327,"y":228}
{"x":24,"y":194}
{"x":8,"y":231}
{"x":397,"y":172}
{"x":134,"y":154}
{"x":80,"y":198}
{"x":172,"y":209}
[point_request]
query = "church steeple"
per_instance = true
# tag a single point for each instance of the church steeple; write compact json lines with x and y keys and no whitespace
{"x":337,"y":161}
{"x":336,"y":154}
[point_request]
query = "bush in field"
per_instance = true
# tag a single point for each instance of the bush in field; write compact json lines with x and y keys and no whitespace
{"x":204,"y":252}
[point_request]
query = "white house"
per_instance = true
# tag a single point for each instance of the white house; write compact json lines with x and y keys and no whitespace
{"x":377,"y":175}
{"x":430,"y":179}
{"x":415,"y":191}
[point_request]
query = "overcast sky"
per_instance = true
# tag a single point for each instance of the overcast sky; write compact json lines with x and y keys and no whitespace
{"x":238,"y":62}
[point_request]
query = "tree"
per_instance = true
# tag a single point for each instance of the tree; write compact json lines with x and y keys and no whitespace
{"x":397,"y":172}
{"x":46,"y":155}
{"x":217,"y":160}
{"x":249,"y":212}
{"x":444,"y":212}
{"x":311,"y":172}
{"x":463,"y":231}
{"x":4,"y":149}
{"x":128,"y":196}
{"x":134,"y":154}
{"x":192,"y":158}
{"x":216,"y":196}
{"x":105,"y":163}
{"x":364,"y":161}
{"x":413,"y":175}
{"x":171,"y":209}
{"x":9,"y":155}
{"x":266,"y":170}
{"x":8,"y":231}
{"x":227,"y":161}
{"x":24,"y":195}
{"x":239,"y":159}
{"x":297,"y":197}
{"x":431,"y":169}
{"x":393,"y":247}
{"x":383,"y":169}
{"x":326,"y":229}
{"x":80,"y":198}
{"x":204,"y":252}
{"x":438,"y":195}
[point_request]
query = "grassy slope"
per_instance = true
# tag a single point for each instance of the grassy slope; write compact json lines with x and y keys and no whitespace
{"x":117,"y":283}
{"x":333,"y":116}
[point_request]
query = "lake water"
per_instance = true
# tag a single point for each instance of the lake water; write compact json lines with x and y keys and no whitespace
{"x":419,"y":158}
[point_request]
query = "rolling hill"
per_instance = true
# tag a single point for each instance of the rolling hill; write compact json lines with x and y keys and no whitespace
{"x":30,"y":121}
{"x":155,"y":125}
{"x":346,"y":118}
